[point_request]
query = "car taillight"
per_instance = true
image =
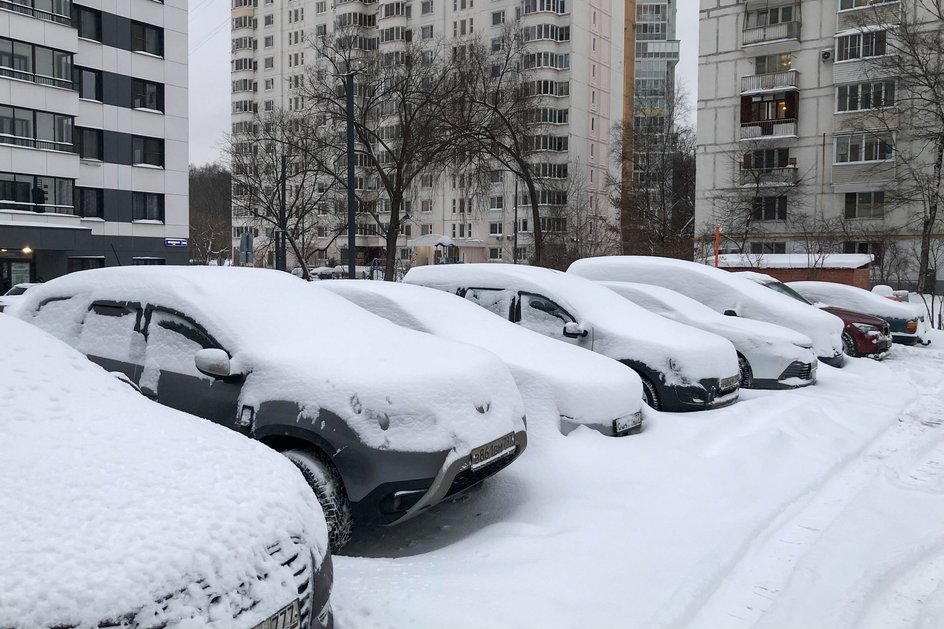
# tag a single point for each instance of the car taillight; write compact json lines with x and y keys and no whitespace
{"x":912,"y":326}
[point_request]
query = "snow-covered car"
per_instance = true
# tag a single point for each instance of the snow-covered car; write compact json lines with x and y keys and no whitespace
{"x":383,"y":422}
{"x":863,"y":335}
{"x":902,"y":318}
{"x":119,"y":512}
{"x":723,"y":292}
{"x":769,"y":356}
{"x":10,"y":299}
{"x":584,"y":389}
{"x":682,"y":369}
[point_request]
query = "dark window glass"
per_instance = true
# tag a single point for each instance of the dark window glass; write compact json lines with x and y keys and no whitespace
{"x":22,"y":57}
{"x":147,"y":38}
{"x":147,"y":151}
{"x":90,"y":202}
{"x":83,"y":264}
{"x":88,"y":22}
{"x":88,"y":82}
{"x":148,"y":95}
{"x":89,"y":143}
{"x":146,"y":206}
{"x":148,"y":262}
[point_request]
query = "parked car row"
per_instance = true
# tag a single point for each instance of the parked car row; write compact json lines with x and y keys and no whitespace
{"x":387,"y":398}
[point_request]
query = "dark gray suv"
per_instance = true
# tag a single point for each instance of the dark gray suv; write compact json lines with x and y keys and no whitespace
{"x":382,"y":421}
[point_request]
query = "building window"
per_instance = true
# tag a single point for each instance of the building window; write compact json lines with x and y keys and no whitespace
{"x":88,"y":22}
{"x":147,"y":261}
{"x":426,"y":32}
{"x":498,"y":18}
{"x":36,"y":193}
{"x":38,"y":64}
{"x":769,"y":208}
{"x":495,"y":229}
{"x":873,"y":248}
{"x":855,"y":4}
{"x":494,"y":253}
{"x":84,"y":264}
{"x":768,"y":64}
{"x":426,"y":7}
{"x":766,"y":160}
{"x":147,"y":38}
{"x":864,"y":147}
{"x":865,"y":204}
{"x":496,"y":203}
{"x":146,"y":206}
{"x":89,"y":202}
{"x":861,"y":96}
{"x":88,"y":83}
{"x":268,"y":41}
{"x":50,"y":10}
{"x":147,"y":95}
{"x":88,"y":143}
{"x":268,"y":63}
{"x":35,"y":129}
{"x":767,"y":247}
{"x":268,"y":20}
{"x":861,"y":45}
{"x":147,"y":151}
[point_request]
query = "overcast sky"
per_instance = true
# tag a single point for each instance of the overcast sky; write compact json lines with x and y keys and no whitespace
{"x":210,"y":83}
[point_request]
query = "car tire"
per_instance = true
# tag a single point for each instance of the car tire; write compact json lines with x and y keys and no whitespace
{"x":747,"y":374}
{"x":848,"y":345}
{"x":325,"y":481}
{"x":649,"y":394}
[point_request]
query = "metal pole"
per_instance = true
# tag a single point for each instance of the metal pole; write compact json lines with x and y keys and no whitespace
{"x":280,"y":254}
{"x":351,"y":197}
{"x":514,"y":253}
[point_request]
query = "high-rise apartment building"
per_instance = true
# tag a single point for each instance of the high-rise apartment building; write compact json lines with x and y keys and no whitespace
{"x":93,"y":135}
{"x":579,"y":47}
{"x":799,"y":147}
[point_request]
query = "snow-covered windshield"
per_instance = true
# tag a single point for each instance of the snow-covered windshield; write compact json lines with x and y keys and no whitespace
{"x":783,"y":289}
{"x":16,"y":290}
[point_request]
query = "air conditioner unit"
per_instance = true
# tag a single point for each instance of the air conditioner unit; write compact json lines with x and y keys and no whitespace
{"x":792,"y":162}
{"x":509,"y":237}
{"x":826,"y":54}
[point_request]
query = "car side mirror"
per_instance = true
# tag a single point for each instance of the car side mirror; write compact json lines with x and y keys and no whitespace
{"x":573,"y":330}
{"x":212,"y":362}
{"x":730,"y":313}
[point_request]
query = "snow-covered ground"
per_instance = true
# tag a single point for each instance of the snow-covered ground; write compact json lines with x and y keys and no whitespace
{"x":804,"y":509}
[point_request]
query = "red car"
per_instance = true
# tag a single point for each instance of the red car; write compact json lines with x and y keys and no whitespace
{"x":862,"y":334}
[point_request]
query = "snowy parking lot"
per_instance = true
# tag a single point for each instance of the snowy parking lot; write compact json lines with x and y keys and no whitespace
{"x":814,"y":508}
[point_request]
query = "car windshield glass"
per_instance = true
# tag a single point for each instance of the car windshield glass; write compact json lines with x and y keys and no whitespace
{"x":16,"y":290}
{"x":789,"y":292}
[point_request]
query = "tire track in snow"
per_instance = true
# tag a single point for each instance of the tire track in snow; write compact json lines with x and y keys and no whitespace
{"x":910,"y":451}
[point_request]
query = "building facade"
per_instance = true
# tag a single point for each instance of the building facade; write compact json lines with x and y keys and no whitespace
{"x":584,"y":42}
{"x":799,"y":148}
{"x":93,"y":135}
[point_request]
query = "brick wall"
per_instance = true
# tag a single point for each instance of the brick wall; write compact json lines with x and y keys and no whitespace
{"x":852,"y":277}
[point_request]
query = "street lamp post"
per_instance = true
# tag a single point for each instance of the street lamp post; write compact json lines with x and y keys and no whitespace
{"x":514,"y":253}
{"x":351,"y":197}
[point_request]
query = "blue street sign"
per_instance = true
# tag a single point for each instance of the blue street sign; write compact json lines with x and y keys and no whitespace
{"x":175,"y":242}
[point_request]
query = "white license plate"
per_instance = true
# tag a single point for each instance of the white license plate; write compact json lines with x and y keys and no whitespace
{"x":286,"y":618}
{"x":483,"y":455}
{"x":622,"y":425}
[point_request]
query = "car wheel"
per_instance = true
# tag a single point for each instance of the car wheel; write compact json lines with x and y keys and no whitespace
{"x":329,"y":489}
{"x":649,"y":394}
{"x":848,"y":345}
{"x":747,"y":376}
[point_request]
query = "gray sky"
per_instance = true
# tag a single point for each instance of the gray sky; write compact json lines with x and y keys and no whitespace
{"x":210,"y":83}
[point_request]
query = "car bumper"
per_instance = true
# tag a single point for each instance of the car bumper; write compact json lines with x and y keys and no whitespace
{"x":619,"y":427}
{"x":708,"y":394}
{"x":454,"y":478}
{"x":833,"y":361}
{"x":797,"y":374}
{"x":904,"y":338}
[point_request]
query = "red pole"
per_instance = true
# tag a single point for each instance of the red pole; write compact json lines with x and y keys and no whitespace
{"x":717,"y":243}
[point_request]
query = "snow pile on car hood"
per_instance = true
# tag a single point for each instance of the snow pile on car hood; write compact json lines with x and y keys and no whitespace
{"x":620,"y":329}
{"x":111,"y":502}
{"x":748,"y":299}
{"x":396,"y":388}
{"x":853,"y":298}
{"x":585,"y":387}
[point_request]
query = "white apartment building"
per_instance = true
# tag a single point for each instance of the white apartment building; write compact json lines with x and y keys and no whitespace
{"x":787,"y":95}
{"x":93,"y":135}
{"x":587,"y":42}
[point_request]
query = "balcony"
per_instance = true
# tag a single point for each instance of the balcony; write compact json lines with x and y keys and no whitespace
{"x":775,"y":81}
{"x":779,"y":176}
{"x":27,"y":7}
{"x":769,"y":129}
{"x":770,"y":33}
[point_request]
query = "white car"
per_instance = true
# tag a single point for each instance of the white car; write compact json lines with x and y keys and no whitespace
{"x":770,"y":356}
{"x":585,"y":389}
{"x":10,"y":299}
{"x":903,"y":318}
{"x":384,"y":422}
{"x":723,"y":292}
{"x":682,"y":369}
{"x":119,"y":512}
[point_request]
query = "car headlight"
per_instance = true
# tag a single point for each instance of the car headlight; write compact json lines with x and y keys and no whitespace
{"x":865,"y":328}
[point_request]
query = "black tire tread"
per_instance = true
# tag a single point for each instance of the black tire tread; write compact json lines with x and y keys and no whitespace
{"x":325,"y":481}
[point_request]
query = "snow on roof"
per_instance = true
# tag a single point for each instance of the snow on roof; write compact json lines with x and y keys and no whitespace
{"x":587,"y":387}
{"x":111,"y":502}
{"x":794,"y":260}
{"x":621,"y":329}
{"x":720,"y":290}
{"x":300,"y":343}
{"x":853,"y":298}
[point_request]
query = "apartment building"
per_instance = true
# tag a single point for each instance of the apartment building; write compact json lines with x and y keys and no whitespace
{"x":93,"y":135}
{"x":580,"y":46}
{"x":797,"y":152}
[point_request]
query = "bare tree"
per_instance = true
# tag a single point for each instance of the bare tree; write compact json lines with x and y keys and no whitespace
{"x":285,"y":180}
{"x":210,"y":213}
{"x":581,"y":228}
{"x":400,"y":98}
